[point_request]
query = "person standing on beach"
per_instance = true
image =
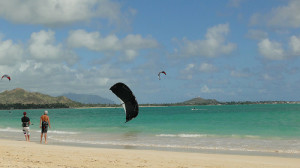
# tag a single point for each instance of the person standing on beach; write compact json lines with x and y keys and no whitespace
{"x":44,"y":123}
{"x":25,"y":124}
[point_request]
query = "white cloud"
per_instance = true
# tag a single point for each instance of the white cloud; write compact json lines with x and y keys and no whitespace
{"x":295,"y":45}
{"x":188,"y":71}
{"x":257,"y":34}
{"x":41,"y":66}
{"x":213,"y":45}
{"x":191,"y":70}
{"x":205,"y":89}
{"x":205,"y":67}
{"x":286,"y":16}
{"x":42,"y":47}
{"x":57,"y":78}
{"x":130,"y":45}
{"x":59,"y":12}
{"x":10,"y":53}
{"x":189,"y":67}
{"x":282,"y":16}
{"x":130,"y":54}
{"x":267,"y":77}
{"x":138,"y":42}
{"x":238,"y":74}
{"x":271,"y":50}
{"x":92,"y":41}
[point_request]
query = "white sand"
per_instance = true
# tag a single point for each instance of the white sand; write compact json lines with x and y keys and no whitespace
{"x":21,"y":154}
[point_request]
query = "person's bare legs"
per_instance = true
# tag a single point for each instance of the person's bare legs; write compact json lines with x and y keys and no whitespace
{"x":45,"y":138}
{"x":41,"y":137}
{"x":28,"y":139}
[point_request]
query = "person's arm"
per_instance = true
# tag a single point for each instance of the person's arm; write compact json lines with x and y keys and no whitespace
{"x":29,"y":122}
{"x":49,"y":122}
{"x":41,"y":122}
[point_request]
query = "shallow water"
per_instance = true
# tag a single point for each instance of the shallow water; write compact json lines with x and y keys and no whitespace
{"x":269,"y":129}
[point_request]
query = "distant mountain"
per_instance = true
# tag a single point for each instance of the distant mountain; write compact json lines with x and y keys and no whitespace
{"x":200,"y":101}
{"x":22,"y":96}
{"x":88,"y":99}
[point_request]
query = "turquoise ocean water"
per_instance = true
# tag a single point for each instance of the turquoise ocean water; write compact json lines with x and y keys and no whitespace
{"x":270,"y":129}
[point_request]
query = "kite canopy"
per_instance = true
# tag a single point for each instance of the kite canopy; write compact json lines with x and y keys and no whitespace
{"x":6,"y":76}
{"x":128,"y":100}
{"x":160,"y":73}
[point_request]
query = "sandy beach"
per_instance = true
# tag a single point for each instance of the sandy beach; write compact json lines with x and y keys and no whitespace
{"x":21,"y":154}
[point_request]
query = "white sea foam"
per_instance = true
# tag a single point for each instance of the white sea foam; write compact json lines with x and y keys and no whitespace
{"x":8,"y":129}
{"x":166,"y":135}
{"x":208,"y":135}
{"x":199,"y":109}
{"x":192,"y":135}
{"x":246,"y":136}
{"x":183,"y":135}
{"x":60,"y":132}
{"x":174,"y":146}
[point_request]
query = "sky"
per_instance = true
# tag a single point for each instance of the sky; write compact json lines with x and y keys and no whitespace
{"x":228,"y":50}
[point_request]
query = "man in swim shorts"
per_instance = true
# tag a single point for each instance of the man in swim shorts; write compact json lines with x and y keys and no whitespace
{"x":44,"y":123}
{"x":25,"y":124}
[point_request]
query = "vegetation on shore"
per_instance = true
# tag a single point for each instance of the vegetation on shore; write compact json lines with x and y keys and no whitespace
{"x":21,"y":99}
{"x":32,"y":106}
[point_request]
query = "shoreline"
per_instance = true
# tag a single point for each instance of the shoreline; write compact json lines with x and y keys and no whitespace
{"x":168,"y":105}
{"x":32,"y":154}
{"x":192,"y":105}
{"x":122,"y":146}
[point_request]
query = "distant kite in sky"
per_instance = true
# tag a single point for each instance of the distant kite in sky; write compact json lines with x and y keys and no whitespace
{"x":6,"y":76}
{"x":160,"y":73}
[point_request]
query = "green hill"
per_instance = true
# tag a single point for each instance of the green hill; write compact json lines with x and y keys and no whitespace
{"x":21,"y":96}
{"x":21,"y":99}
{"x":200,"y":101}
